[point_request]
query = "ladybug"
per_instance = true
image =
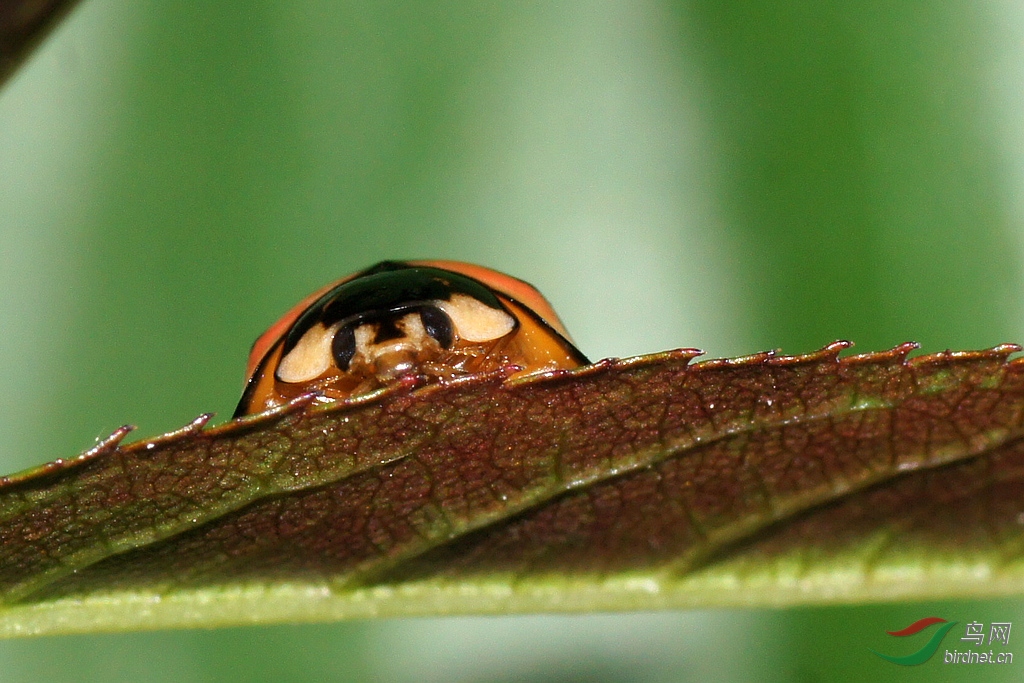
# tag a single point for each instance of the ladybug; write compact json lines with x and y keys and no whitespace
{"x":439,"y":319}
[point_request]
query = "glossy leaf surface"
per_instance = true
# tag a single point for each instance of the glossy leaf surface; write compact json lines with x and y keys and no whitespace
{"x":631,"y":484}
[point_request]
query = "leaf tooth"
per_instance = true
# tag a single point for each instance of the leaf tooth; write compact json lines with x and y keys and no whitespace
{"x":182,"y":433}
{"x":896,"y":355}
{"x":828,"y":353}
{"x":259,"y":419}
{"x":752,"y":360}
{"x":103,"y":447}
{"x":1001,"y":353}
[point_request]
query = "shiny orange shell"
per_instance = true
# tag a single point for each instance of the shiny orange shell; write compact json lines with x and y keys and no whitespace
{"x":540,"y":343}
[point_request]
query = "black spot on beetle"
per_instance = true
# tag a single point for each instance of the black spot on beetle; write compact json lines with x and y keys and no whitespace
{"x":438,"y":325}
{"x":343,"y":346}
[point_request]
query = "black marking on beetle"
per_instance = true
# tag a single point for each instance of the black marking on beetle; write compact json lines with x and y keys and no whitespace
{"x":386,"y":291}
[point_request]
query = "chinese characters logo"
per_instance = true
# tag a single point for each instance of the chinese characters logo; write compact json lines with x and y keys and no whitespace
{"x":998,"y":632}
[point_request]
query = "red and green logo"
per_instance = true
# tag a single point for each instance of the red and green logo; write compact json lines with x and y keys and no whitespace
{"x":926,"y":652}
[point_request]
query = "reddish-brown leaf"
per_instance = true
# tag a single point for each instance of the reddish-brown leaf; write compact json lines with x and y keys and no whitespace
{"x":648,"y":465}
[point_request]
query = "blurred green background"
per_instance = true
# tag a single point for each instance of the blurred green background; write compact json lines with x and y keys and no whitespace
{"x":732,"y":176}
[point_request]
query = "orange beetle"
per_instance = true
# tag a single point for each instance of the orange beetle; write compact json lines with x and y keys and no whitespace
{"x":441,"y":319}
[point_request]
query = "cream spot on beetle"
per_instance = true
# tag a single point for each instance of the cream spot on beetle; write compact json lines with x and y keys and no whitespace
{"x":415,"y":333}
{"x":310,"y":358}
{"x":365,"y":334}
{"x":395,"y":356}
{"x":414,"y":338}
{"x":474,"y":320}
